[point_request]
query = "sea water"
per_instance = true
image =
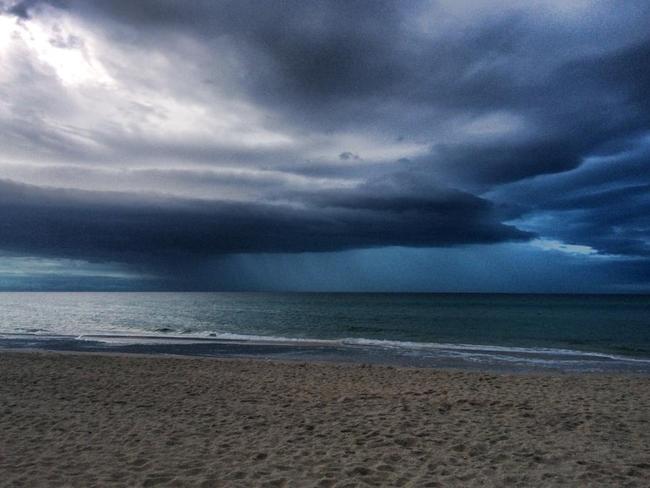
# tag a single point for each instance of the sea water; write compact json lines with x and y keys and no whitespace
{"x":588,"y":332}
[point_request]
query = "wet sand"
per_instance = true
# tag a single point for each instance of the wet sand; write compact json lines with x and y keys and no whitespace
{"x":100,"y":420}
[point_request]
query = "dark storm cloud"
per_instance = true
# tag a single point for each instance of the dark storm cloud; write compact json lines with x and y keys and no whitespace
{"x":435,"y":126}
{"x":604,"y":204}
{"x":130,"y":228}
{"x":581,"y":109}
{"x":354,"y":65}
{"x":339,"y":64}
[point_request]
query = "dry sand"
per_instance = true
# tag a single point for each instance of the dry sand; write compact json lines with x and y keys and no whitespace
{"x":84,"y":420}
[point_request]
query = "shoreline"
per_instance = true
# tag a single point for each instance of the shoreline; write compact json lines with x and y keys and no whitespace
{"x":466,"y":357}
{"x":89,"y":419}
{"x":302,"y":362}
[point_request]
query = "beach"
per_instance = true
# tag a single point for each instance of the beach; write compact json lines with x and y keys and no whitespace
{"x":120,"y":420}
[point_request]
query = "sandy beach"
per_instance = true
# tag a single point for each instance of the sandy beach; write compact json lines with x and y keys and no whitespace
{"x":99,"y":420}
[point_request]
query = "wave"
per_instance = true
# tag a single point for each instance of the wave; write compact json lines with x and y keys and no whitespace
{"x":471,"y":352}
{"x":489,"y":348}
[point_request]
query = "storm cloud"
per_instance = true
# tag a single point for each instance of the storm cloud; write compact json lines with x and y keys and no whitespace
{"x":156,"y":132}
{"x":131,"y":228}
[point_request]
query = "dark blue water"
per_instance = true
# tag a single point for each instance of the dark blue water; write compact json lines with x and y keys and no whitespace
{"x":537,"y":329}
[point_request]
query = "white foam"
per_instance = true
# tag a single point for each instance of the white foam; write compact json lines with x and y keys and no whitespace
{"x":481,"y":348}
{"x":467,"y":351}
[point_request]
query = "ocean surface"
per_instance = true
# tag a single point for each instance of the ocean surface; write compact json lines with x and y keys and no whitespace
{"x":491,"y":332}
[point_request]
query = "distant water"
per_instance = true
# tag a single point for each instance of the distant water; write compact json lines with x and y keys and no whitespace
{"x":586,"y":332}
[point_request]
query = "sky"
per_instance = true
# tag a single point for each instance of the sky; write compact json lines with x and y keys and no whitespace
{"x":428,"y":145}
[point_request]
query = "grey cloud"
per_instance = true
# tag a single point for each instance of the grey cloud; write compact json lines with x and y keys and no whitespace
{"x":575,"y":89}
{"x":223,"y":183}
{"x":604,"y":204}
{"x":347,"y":156}
{"x":135,"y":229}
{"x":361,"y":66}
{"x":339,"y":65}
{"x":23,"y":8}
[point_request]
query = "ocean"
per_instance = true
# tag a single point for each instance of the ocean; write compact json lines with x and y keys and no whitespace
{"x":476,"y":331}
